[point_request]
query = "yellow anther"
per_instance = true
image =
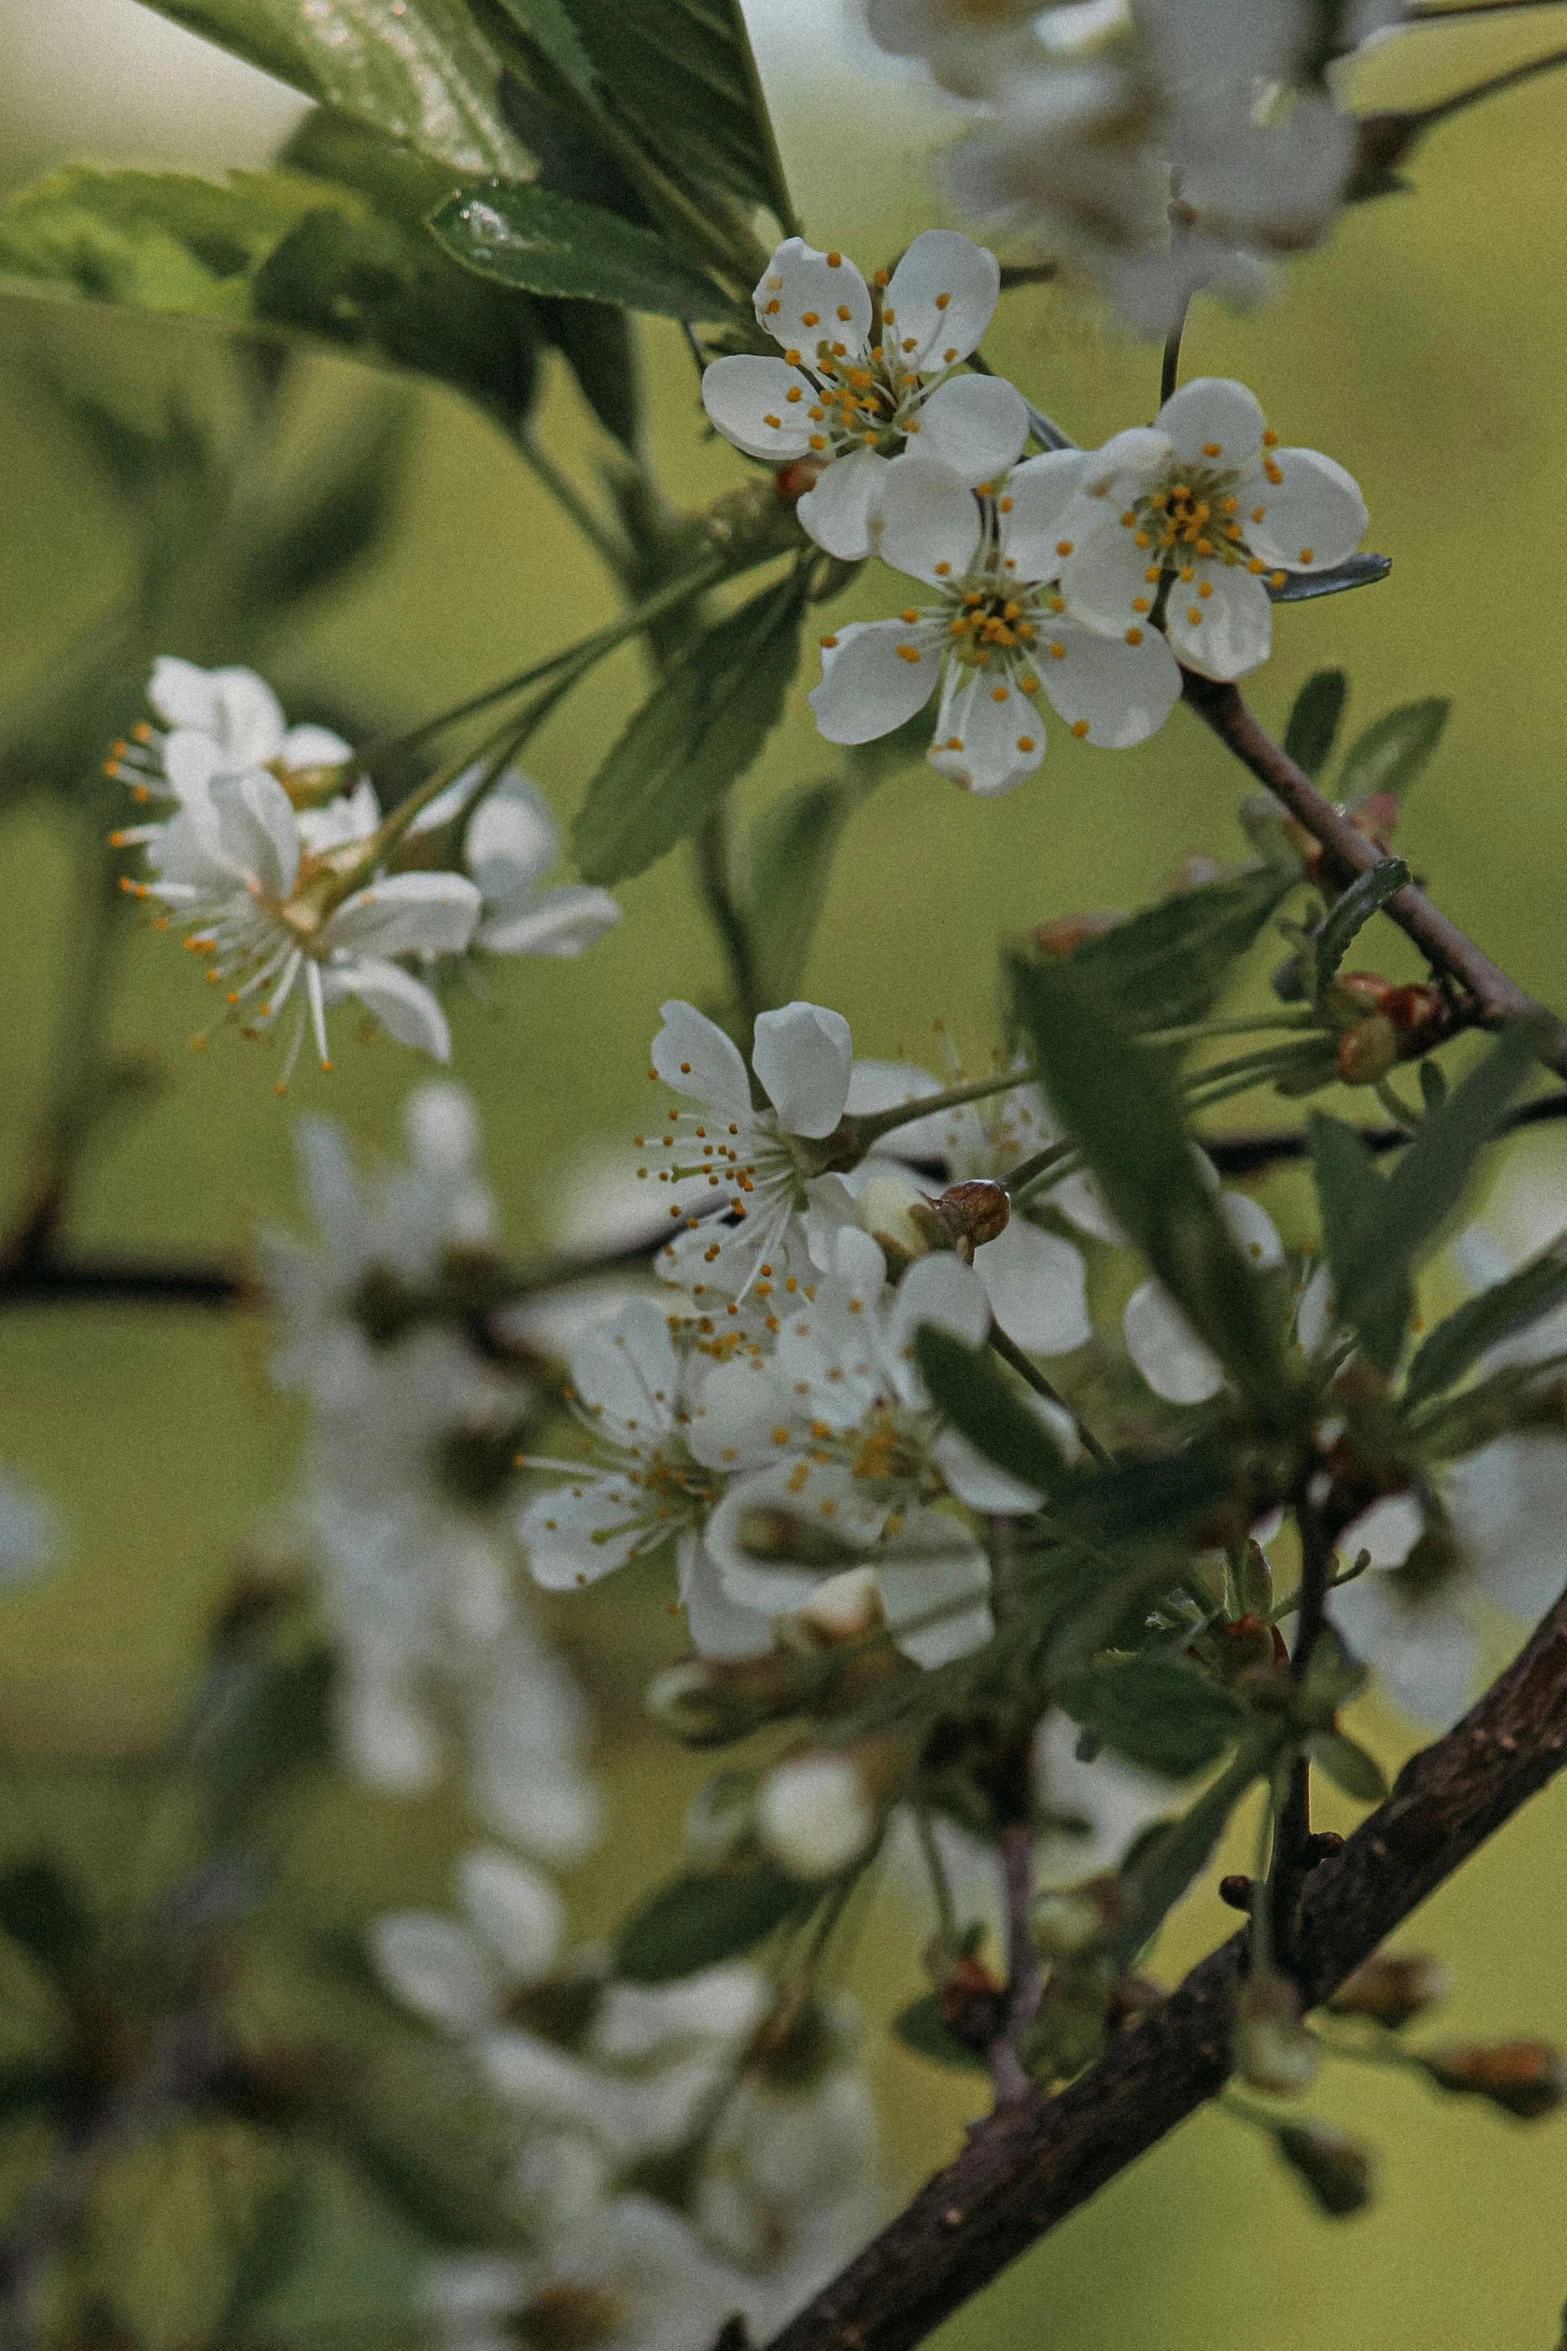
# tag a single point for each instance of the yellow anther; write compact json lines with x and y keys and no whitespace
{"x":810,"y":318}
{"x":794,"y":395}
{"x":773,"y":308}
{"x":998,"y":693}
{"x":1081,"y":729}
{"x":1193,"y":614}
{"x":881,"y":280}
{"x":1025,"y":742}
{"x":942,"y":570}
{"x":844,"y":312}
{"x":1277,"y":580}
{"x":828,"y":643}
{"x":835,"y":261}
{"x":908,"y":652}
{"x":1256,"y":565}
{"x":1211,"y":448}
{"x":817,"y":441}
{"x":910,"y":343}
{"x":1205,"y":588}
{"x":1063,"y":546}
{"x":1305,"y":555}
{"x":1139,"y":604}
{"x":1028,"y":684}
{"x":1153,"y":575}
{"x":942,"y":300}
{"x":1004,"y":506}
{"x":1205,"y":546}
{"x":1142,"y":540}
{"x":1058,"y":653}
{"x":1270,"y":439}
{"x":792,"y":358}
{"x":911,"y":615}
{"x":1274,"y":473}
{"x":775,"y":421}
{"x":1134,"y":636}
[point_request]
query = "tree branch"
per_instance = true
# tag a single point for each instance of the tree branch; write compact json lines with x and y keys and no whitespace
{"x":1493,"y":999}
{"x":1030,"y":2164}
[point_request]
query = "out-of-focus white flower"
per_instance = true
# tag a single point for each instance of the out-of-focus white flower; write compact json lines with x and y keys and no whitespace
{"x":1176,"y":1363}
{"x":1203,"y":508}
{"x":629,"y":2275}
{"x":510,"y":842}
{"x":815,"y":1814}
{"x":215,"y":723}
{"x":997,"y":634}
{"x":31,"y":1540}
{"x":865,"y":370}
{"x":458,"y":1973}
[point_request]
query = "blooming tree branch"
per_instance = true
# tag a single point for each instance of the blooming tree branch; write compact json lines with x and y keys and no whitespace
{"x":1029,"y":2165}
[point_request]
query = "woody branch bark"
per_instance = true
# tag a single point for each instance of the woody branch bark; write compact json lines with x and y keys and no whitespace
{"x":1030,"y":2164}
{"x":1492,"y":999}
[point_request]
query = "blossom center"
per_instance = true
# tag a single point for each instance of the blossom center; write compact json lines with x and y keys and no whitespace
{"x":864,"y":399}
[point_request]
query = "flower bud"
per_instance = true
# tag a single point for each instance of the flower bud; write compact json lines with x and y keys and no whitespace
{"x":1368,"y":1051}
{"x":1335,"y":2168}
{"x":720,"y":1822}
{"x":754,"y":521}
{"x":973,"y":1214}
{"x":971,"y":2004}
{"x":707,"y":1701}
{"x":1068,"y":1921}
{"x":844,"y":1608}
{"x":815,"y":1814}
{"x":1273,"y":2050}
{"x":894,"y":1209}
{"x":1392,"y":1987}
{"x":1524,"y":2078}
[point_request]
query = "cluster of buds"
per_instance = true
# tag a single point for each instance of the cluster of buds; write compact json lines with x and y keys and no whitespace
{"x":1392,"y":1988}
{"x":1526,"y":2079}
{"x":1379,"y":1024}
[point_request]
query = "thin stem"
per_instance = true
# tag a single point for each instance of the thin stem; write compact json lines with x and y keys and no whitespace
{"x":1387,"y":1094}
{"x":941,"y":1884}
{"x":874,"y":1124}
{"x":606,"y":542}
{"x":1428,"y":116}
{"x":715,"y":873}
{"x":1026,"y":1369}
{"x":1029,"y":1172}
{"x":1025,"y":1981}
{"x":1170,"y":364}
{"x":1244,"y":1025}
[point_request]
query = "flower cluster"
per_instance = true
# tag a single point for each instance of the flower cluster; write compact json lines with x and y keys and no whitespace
{"x":686,"y":2152}
{"x":1162,"y":148}
{"x":408,"y":1469}
{"x":1084,"y":579}
{"x":277,"y":862}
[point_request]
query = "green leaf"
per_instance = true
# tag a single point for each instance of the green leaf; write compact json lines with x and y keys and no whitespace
{"x":1314,"y":720}
{"x":420,"y":70}
{"x":1372,"y":1295}
{"x":40,"y":1910}
{"x":1166,"y":965}
{"x":1169,"y":1858}
{"x":967,"y":1385}
{"x":598,"y":344}
{"x":270,"y":2255}
{"x":789,"y":854}
{"x":1485,"y":1321}
{"x":160,"y":240}
{"x":1356,"y":571}
{"x":1352,"y":910}
{"x":1159,"y":1495}
{"x":272,"y":1724}
{"x":923,"y":2028}
{"x":1157,"y":1713}
{"x":696,"y":735}
{"x":698,"y":1921}
{"x":1121,"y":1101}
{"x":682,"y":74}
{"x":1348,"y":1766}
{"x":1333,"y":1676}
{"x":548,"y":244}
{"x":1394,"y":752}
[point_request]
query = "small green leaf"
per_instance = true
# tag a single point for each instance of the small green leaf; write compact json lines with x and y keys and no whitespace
{"x":923,"y":2028}
{"x":1333,"y":1676}
{"x":1356,"y":571}
{"x":269,"y":2256}
{"x":1166,"y":965}
{"x":1314,"y":720}
{"x":696,"y":735}
{"x":524,"y":236}
{"x":420,"y":70}
{"x":1161,"y":1715}
{"x":40,"y":1910}
{"x":698,"y":1921}
{"x":967,"y":1385}
{"x":1484,"y":1321}
{"x":1121,"y":1102}
{"x":1169,"y":1857}
{"x":789,"y":854}
{"x":1370,"y":1293}
{"x":598,"y":344}
{"x":1393,"y":752}
{"x":1161,"y":1494}
{"x":1367,"y":894}
{"x":1348,"y":1766}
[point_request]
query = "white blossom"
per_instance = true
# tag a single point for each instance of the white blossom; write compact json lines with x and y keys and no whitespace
{"x":997,"y":634}
{"x":864,"y":370}
{"x":1204,"y":509}
{"x":215,"y":723}
{"x":1176,"y":1363}
{"x":509,"y":843}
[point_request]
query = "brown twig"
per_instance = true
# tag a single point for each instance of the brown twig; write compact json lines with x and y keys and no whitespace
{"x":1492,"y":999}
{"x":1030,"y":2164}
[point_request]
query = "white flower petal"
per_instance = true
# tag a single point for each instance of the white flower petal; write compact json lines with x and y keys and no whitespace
{"x":747,"y":400}
{"x":927,"y":521}
{"x":1226,"y":634}
{"x":803,"y":298}
{"x":989,"y":736}
{"x":803,"y":1055}
{"x":718,"y":1625}
{"x":1509,"y":1505}
{"x":939,"y":1290}
{"x":1312,"y":519}
{"x":548,"y":922}
{"x":435,"y":1968}
{"x":1166,"y":1350}
{"x":404,"y":1006}
{"x":256,"y":830}
{"x":980,"y":1483}
{"x":738,"y":1406}
{"x":1037,"y":1285}
{"x":808,"y":1493}
{"x":577,"y":1534}
{"x":443,"y":1133}
{"x":406,"y":914}
{"x":1035,"y":498}
{"x":1424,"y":1651}
{"x":520,"y":1915}
{"x":1123,"y":467}
{"x":313,"y":746}
{"x":352,"y":816}
{"x":875,"y":674}
{"x":1252,"y":1230}
{"x":626,"y":1372}
{"x":235,"y":707}
{"x":1105,"y":578}
{"x":837,"y":512}
{"x":693,"y":1056}
{"x":941,"y":299}
{"x":1212,"y":420}
{"x":975,"y":424}
{"x":934,"y":1570}
{"x":512,"y":838}
{"x":1112,"y":693}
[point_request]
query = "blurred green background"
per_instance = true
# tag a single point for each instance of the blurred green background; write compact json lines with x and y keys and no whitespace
{"x":1426,"y":350}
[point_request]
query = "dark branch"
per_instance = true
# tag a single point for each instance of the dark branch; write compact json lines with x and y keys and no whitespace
{"x":1030,"y":2164}
{"x":1492,"y":998}
{"x":81,"y":1278}
{"x":1246,"y":1153}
